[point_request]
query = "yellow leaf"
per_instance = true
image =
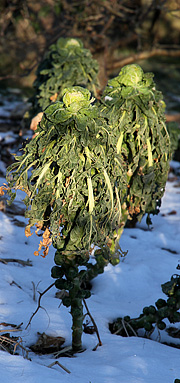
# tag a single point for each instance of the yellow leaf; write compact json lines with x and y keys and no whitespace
{"x":90,"y":195}
{"x":119,"y":143}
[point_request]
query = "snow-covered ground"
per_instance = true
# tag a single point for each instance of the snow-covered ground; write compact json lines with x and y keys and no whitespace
{"x":153,"y":256}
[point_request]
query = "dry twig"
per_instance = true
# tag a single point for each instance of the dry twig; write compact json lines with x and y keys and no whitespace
{"x":11,"y":324}
{"x":39,"y":304}
{"x":14,"y":260}
{"x":6,"y":342}
{"x":94,"y":324}
{"x":124,"y":326}
{"x":60,"y":365}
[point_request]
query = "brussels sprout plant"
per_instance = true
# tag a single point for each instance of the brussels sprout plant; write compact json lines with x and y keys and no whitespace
{"x":136,"y":113}
{"x":93,"y":165}
{"x":67,"y":63}
{"x":73,"y":194}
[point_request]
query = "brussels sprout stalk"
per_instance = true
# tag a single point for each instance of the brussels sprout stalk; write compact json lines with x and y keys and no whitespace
{"x":153,"y":316}
{"x":77,"y":326}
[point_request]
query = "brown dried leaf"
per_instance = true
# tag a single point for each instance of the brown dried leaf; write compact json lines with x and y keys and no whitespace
{"x":35,"y":121}
{"x":47,"y":344}
{"x":172,"y":212}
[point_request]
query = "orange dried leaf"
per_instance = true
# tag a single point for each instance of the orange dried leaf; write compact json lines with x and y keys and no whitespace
{"x":36,"y":253}
{"x":1,"y":190}
{"x":39,"y":226}
{"x":53,"y":98}
{"x":46,"y":234}
{"x":45,"y":252}
{"x":40,"y":246}
{"x":28,"y":231}
{"x":46,"y":242}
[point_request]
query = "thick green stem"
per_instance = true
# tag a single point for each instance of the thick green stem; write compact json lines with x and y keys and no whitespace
{"x":77,"y":325}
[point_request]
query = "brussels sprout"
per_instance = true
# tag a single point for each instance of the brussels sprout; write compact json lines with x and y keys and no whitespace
{"x":146,"y":310}
{"x":160,"y":303}
{"x":58,"y":258}
{"x":63,"y":284}
{"x":66,"y":301}
{"x":152,"y":309}
{"x":127,"y":318}
{"x":57,"y":272}
{"x":161,"y":325}
{"x":84,"y":294}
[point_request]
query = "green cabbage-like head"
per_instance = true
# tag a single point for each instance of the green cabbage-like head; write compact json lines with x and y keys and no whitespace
{"x":67,"y":44}
{"x":73,"y":43}
{"x":131,"y":75}
{"x":75,"y":95}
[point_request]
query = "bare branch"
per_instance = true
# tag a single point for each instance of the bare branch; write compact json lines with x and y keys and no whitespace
{"x":142,"y":56}
{"x":39,"y":304}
